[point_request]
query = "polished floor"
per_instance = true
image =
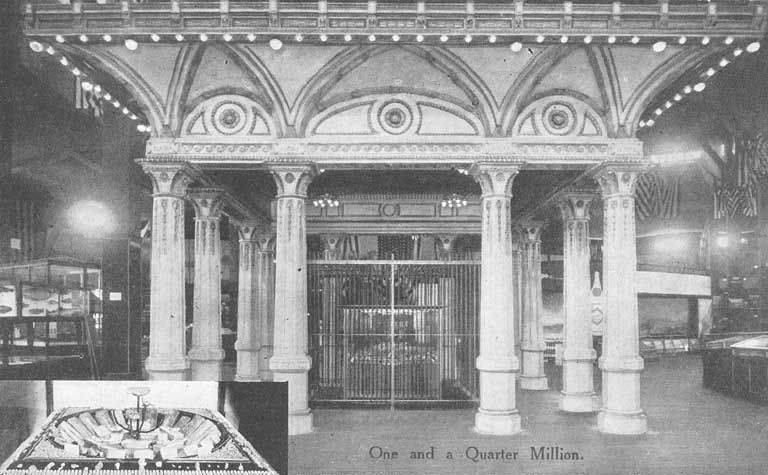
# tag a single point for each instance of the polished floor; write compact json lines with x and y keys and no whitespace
{"x":692,"y":431}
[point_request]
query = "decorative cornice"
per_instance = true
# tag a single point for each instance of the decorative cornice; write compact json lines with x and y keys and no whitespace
{"x":547,"y":150}
{"x":268,"y":18}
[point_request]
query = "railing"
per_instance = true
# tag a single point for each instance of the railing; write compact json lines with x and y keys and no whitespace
{"x":641,"y":17}
{"x":673,"y":268}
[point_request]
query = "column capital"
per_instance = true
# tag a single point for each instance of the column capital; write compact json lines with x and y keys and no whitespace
{"x":247,"y":230}
{"x":575,"y":204}
{"x":208,"y":202}
{"x":494,"y":178}
{"x":618,"y":179}
{"x":331,"y":243}
{"x":265,"y":240}
{"x":168,"y":178}
{"x":293,"y":179}
{"x":530,"y":231}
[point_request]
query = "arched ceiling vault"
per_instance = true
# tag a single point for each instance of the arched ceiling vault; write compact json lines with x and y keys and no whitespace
{"x":163,"y":88}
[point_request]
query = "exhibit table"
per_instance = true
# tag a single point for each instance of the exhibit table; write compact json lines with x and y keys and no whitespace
{"x":141,"y":439}
{"x":738,"y":366}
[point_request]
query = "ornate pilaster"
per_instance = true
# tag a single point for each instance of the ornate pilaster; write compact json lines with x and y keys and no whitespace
{"x":266,"y":299}
{"x":167,"y":340}
{"x":445,"y":244}
{"x":248,"y":344}
{"x":497,"y":362}
{"x":620,"y":362}
{"x":533,"y":331}
{"x":517,"y":282}
{"x":578,"y":393}
{"x":206,"y":353}
{"x":290,"y":361}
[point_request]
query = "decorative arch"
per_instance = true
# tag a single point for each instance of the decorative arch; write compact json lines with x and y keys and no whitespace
{"x":659,"y":80}
{"x":604,"y":69}
{"x":559,"y":115}
{"x":148,"y":100}
{"x":314,"y":92}
{"x":395,"y":116}
{"x":228,"y":115}
{"x":184,"y":72}
{"x":526,"y":81}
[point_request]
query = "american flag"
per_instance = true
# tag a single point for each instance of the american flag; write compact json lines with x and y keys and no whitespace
{"x":657,"y":196}
{"x":736,"y":192}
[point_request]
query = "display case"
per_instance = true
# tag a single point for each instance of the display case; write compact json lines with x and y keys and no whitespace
{"x":376,"y":340}
{"x":738,"y":365}
{"x":49,"y":319}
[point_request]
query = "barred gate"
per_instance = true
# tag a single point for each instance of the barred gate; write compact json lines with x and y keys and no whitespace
{"x":393,"y":330}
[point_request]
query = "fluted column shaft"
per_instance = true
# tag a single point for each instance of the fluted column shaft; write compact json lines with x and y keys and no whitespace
{"x":497,"y":362}
{"x":207,"y":353}
{"x":248,"y":344}
{"x":290,"y":361}
{"x":517,"y":281}
{"x":620,"y":362}
{"x":266,"y":300}
{"x":533,"y":346}
{"x":578,"y":393}
{"x":167,"y":320}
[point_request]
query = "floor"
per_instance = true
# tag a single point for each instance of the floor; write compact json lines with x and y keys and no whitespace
{"x":692,"y":431}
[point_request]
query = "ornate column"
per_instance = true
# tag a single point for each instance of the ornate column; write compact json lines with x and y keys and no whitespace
{"x":248,"y":344}
{"x":533,"y":331}
{"x":266,"y":299}
{"x":620,"y":362}
{"x":578,"y":393}
{"x":290,"y":361}
{"x":167,"y":320}
{"x":517,"y":282}
{"x":206,"y":353}
{"x":497,"y":362}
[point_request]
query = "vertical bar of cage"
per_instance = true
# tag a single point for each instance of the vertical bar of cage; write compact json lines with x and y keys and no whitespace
{"x":392,"y":269}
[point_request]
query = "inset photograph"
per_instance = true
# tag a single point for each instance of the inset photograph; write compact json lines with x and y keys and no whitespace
{"x":82,"y":426}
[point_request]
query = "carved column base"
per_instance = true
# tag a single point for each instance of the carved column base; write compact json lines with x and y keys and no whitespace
{"x":300,"y":422}
{"x":497,"y":414}
{"x":533,"y":377}
{"x":579,"y":402}
{"x":578,"y":393}
{"x":248,"y":364}
{"x":612,"y":422}
{"x":497,"y":423}
{"x":205,"y":363}
{"x":294,"y":369}
{"x":621,"y":412}
{"x":176,"y":369}
{"x":266,"y":354}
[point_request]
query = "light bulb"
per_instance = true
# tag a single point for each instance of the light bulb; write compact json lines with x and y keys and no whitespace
{"x":516,"y":46}
{"x":107,"y":38}
{"x":540,"y":39}
{"x":710,"y":72}
{"x":611,"y":39}
{"x":444,"y":38}
{"x":179,"y":37}
{"x":468,"y":39}
{"x":737,"y":52}
{"x":275,"y":44}
{"x":659,"y":46}
{"x":323,"y":37}
{"x":107,"y":96}
{"x":419,"y":38}
{"x":678,"y":97}
{"x":347,"y":37}
{"x":36,"y":46}
{"x":52,"y":51}
{"x":564,"y":39}
{"x":84,"y":38}
{"x":203,"y":37}
{"x":155,"y":37}
{"x":299,"y":37}
{"x":59,"y":39}
{"x":395,"y":38}
{"x":492,"y":39}
{"x":724,"y":62}
{"x":131,"y":44}
{"x":372,"y":38}
{"x":728,"y":40}
{"x":705,"y":40}
{"x":682,"y":40}
{"x":658,"y":111}
{"x":588,"y":39}
{"x":650,"y":122}
{"x":251,"y":37}
{"x":86,"y":86}
{"x":635,"y":40}
{"x":64,"y":61}
{"x":699,"y":87}
{"x":752,"y":47}
{"x":75,"y":71}
{"x":227,"y":37}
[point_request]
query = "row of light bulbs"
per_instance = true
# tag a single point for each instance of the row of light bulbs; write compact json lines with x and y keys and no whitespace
{"x":87,"y":85}
{"x":699,"y":86}
{"x":276,"y":44}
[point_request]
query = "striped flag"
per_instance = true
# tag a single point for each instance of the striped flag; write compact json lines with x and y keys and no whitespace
{"x":657,"y":196}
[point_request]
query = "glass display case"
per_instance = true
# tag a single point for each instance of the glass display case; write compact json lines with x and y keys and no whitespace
{"x":50,"y":314}
{"x":739,"y":366}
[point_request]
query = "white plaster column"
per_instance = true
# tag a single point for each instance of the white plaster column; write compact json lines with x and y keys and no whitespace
{"x":290,"y":361}
{"x":248,"y":344}
{"x":497,"y":362}
{"x":266,"y":299}
{"x":578,"y":394}
{"x":532,"y":345}
{"x":167,"y":320}
{"x":620,"y":362}
{"x":517,"y":281}
{"x":207,"y":353}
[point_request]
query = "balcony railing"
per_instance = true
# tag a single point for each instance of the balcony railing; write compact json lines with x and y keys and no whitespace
{"x":644,"y":18}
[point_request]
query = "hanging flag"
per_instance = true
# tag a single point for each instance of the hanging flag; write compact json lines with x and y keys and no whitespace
{"x":657,"y":196}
